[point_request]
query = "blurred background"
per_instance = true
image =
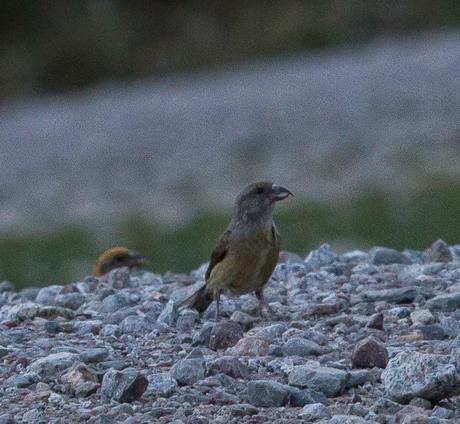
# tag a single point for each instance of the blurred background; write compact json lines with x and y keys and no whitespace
{"x":137,"y":123}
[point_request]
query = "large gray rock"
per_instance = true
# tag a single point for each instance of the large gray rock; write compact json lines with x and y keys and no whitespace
{"x":33,"y":416}
{"x":22,"y":380}
{"x":113,"y":303}
{"x":110,"y":330}
{"x":439,"y":252}
{"x":46,"y":295}
{"x":302,"y":397}
{"x":330,"y":381}
{"x":80,"y":380}
{"x":450,"y":326}
{"x":118,"y":278}
{"x":169,"y":314}
{"x":314,"y":412}
{"x":267,"y":393}
{"x":398,"y":295}
{"x":161,"y":384}
{"x":118,"y":316}
{"x":6,"y":286}
{"x":273,"y":332}
{"x":358,"y":377}
{"x":7,"y":419}
{"x":455,"y":343}
{"x":354,"y":257}
{"x":94,"y":355}
{"x":229,"y":365}
{"x":443,"y":413}
{"x":91,"y":326}
{"x":444,"y":302}
{"x":30,"y":310}
{"x":251,"y":346}
{"x":433,"y":332}
{"x":422,"y":316}
{"x":251,"y":306}
{"x":320,"y":257}
{"x":134,"y":324}
{"x":385,"y":256}
{"x":418,"y":375}
{"x":242,"y":410}
{"x":301,"y":347}
{"x":70,"y":300}
{"x":123,"y":386}
{"x":52,"y":364}
{"x":29,"y":294}
{"x":150,"y":280}
{"x":187,"y":320}
{"x":19,"y":312}
{"x":4,"y":351}
{"x":244,"y":320}
{"x":347,"y":419}
{"x":202,"y":336}
{"x":227,"y":307}
{"x":188,"y":371}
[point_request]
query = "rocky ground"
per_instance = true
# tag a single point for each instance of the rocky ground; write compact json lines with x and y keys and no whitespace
{"x":361,"y":337}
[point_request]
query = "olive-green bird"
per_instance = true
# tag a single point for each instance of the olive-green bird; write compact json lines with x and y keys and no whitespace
{"x":248,"y":250}
{"x":117,"y":257}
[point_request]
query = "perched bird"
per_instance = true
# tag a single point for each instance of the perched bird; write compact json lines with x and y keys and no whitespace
{"x":117,"y":257}
{"x":248,"y":250}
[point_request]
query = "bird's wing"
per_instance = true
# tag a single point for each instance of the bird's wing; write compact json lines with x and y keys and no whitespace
{"x":218,"y":254}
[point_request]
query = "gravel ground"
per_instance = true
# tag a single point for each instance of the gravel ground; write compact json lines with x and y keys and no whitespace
{"x":361,"y":337}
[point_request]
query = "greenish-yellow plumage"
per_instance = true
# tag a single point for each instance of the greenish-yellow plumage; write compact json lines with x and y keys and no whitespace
{"x":248,"y":250}
{"x":117,"y":257}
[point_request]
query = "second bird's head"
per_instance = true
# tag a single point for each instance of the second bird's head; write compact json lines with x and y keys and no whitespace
{"x":117,"y":257}
{"x":256,"y":201}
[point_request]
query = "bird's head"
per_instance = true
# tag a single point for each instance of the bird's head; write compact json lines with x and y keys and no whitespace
{"x":117,"y":257}
{"x":256,"y":201}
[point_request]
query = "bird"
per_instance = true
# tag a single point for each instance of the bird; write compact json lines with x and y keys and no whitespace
{"x":247,"y":251}
{"x":117,"y":257}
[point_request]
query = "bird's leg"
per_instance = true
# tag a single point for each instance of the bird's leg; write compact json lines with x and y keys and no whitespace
{"x":262,"y":303}
{"x":217,"y":299}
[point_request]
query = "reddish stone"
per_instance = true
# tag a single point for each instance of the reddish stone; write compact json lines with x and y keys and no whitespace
{"x":376,"y":321}
{"x":370,"y":353}
{"x":251,"y":346}
{"x":225,"y":334}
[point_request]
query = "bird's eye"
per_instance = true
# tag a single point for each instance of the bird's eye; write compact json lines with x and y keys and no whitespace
{"x":259,"y":190}
{"x":118,"y":258}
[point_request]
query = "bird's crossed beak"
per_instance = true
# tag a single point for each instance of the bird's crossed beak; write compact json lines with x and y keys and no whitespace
{"x":279,"y":193}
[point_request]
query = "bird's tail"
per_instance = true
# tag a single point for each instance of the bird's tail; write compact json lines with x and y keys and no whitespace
{"x":200,"y":300}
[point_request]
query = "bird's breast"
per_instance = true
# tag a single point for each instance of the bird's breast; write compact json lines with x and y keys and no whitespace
{"x":247,"y":266}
